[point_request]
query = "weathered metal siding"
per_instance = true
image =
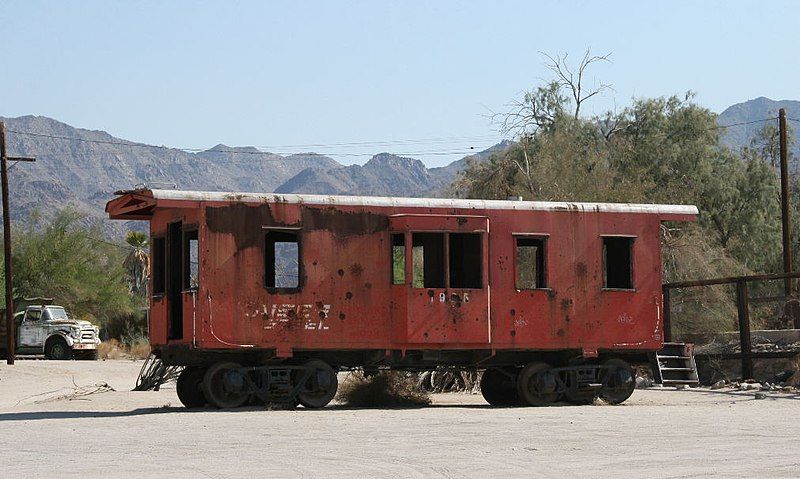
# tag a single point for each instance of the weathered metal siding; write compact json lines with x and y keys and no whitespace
{"x":347,"y":300}
{"x":344,"y":301}
{"x":575,"y":311}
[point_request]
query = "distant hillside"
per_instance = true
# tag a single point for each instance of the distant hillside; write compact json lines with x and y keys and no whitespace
{"x":383,"y":175}
{"x":86,"y":174}
{"x":752,"y":110}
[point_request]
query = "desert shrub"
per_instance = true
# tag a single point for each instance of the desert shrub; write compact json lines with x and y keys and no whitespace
{"x":389,"y":388}
{"x":113,"y":349}
{"x":129,"y":329}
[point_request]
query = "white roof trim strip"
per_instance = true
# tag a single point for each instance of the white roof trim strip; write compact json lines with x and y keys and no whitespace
{"x":389,"y":201}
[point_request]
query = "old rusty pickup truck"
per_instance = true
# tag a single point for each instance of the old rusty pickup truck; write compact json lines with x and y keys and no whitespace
{"x":49,"y":330}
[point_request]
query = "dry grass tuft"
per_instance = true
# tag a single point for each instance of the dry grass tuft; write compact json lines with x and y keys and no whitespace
{"x":794,"y":365}
{"x":390,"y":388}
{"x":140,"y":350}
{"x":113,"y":349}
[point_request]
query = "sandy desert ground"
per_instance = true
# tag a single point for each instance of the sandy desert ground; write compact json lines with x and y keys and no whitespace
{"x":47,"y":429}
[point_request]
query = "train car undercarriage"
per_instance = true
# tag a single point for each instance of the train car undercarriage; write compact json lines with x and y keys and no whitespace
{"x":312,"y":381}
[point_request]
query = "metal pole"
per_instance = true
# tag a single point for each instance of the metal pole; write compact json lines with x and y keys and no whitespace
{"x":787,"y":232}
{"x":667,"y":316}
{"x":10,"y":326}
{"x":743,"y":307}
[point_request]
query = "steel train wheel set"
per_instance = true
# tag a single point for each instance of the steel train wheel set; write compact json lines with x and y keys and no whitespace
{"x":228,"y":385}
{"x":539,"y":384}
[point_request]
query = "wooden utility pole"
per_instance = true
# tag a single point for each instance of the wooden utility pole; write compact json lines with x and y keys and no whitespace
{"x":787,"y":232}
{"x":10,"y":326}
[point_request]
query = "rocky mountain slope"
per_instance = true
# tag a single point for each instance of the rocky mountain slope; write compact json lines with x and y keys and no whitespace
{"x":86,"y":174}
{"x":71,"y":170}
{"x":752,"y":110}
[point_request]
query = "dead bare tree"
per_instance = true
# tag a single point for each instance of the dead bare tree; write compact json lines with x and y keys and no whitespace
{"x":572,"y":79}
{"x":539,"y":108}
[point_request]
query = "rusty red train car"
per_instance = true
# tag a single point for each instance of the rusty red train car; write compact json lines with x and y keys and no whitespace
{"x":268,"y":295}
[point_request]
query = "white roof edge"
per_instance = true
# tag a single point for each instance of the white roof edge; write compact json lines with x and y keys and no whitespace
{"x":392,"y":201}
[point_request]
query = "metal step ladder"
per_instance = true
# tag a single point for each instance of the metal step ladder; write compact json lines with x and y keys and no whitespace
{"x":674,"y":365}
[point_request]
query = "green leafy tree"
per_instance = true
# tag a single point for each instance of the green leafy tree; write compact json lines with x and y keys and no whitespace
{"x":67,"y":260}
{"x":657,"y":150}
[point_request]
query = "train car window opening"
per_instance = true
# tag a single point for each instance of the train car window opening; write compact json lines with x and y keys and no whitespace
{"x":617,"y":262}
{"x":465,"y":262}
{"x":159,"y":273}
{"x":398,"y":258}
{"x":531,"y":268}
{"x":428,"y":260}
{"x":282,"y":259}
{"x":191,"y":260}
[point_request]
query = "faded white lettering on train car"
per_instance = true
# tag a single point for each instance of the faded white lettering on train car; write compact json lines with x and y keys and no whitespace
{"x":313,"y":317}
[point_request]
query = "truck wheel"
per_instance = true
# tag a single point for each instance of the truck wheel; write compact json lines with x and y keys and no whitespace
{"x":223,"y":386}
{"x":320,"y":387}
{"x":57,"y":348}
{"x":189,"y":387}
{"x":498,"y":389}
{"x":618,"y":381}
{"x":536,"y":385}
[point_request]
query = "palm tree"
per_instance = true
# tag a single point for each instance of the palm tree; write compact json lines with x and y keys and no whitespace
{"x":137,"y":263}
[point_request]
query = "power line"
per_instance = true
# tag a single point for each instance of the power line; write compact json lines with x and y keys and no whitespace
{"x":452,"y":139}
{"x":450,"y":152}
{"x":745,"y":123}
{"x":259,"y":152}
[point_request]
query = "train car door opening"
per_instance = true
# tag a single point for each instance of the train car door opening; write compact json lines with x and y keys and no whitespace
{"x":440,"y":279}
{"x":174,"y":280}
{"x":190,"y":276}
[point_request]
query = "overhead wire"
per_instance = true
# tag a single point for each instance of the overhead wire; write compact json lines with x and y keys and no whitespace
{"x":466,"y":151}
{"x":259,"y":152}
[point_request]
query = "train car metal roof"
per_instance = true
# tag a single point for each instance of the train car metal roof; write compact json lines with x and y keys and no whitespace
{"x":677,"y":211}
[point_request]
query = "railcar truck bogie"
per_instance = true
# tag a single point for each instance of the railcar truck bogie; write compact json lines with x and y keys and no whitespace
{"x":266,"y":296}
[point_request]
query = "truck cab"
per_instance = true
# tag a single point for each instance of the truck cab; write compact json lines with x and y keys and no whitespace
{"x":49,"y":330}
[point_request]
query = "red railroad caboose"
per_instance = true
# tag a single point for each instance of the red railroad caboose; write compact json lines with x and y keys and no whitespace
{"x":270,"y":294}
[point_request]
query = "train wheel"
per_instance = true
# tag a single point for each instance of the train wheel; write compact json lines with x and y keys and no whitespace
{"x":223,"y":386}
{"x":536,"y":385}
{"x":498,"y":388}
{"x":320,"y":387}
{"x":618,"y":381}
{"x":189,"y":387}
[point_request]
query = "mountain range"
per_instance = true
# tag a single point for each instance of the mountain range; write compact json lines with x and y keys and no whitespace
{"x":71,"y":170}
{"x":745,"y":118}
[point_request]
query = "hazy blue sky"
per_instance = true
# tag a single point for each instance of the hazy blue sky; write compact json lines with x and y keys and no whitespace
{"x":194,"y":74}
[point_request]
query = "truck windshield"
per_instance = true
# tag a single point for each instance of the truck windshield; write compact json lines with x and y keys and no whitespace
{"x":57,"y":313}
